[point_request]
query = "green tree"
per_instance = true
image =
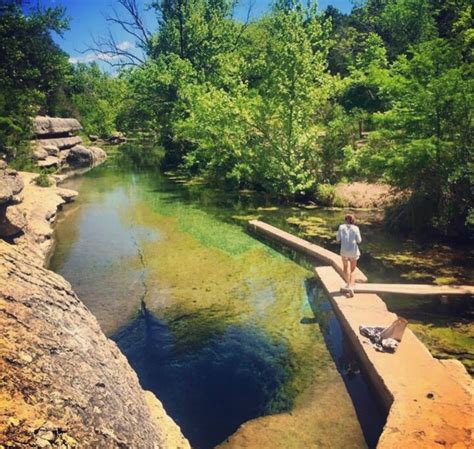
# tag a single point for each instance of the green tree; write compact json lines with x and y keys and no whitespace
{"x":32,"y":68}
{"x":152,"y":101}
{"x":361,"y":96}
{"x":406,"y":22}
{"x":400,"y":23}
{"x":195,"y":30}
{"x":96,"y":98}
{"x":265,"y":130}
{"x":425,"y":141}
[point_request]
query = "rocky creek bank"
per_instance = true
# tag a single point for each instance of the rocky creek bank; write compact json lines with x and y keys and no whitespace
{"x":63,"y":383}
{"x":57,"y":146}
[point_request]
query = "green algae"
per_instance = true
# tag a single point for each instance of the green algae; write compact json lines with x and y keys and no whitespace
{"x":312,"y":227}
{"x":268,"y":209}
{"x":448,"y":342}
{"x":246,"y":218}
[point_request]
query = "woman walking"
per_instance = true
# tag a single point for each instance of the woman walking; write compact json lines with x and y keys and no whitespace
{"x":349,"y":236}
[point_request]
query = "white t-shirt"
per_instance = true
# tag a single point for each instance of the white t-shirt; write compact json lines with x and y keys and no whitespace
{"x":349,"y":236}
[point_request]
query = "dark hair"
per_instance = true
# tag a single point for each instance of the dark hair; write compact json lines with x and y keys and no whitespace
{"x":349,"y":218}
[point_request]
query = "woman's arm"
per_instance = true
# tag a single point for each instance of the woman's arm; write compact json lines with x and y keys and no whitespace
{"x":338,"y":234}
{"x":358,"y":236}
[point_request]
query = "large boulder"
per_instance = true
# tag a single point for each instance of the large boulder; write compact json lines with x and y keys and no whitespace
{"x":98,"y":154}
{"x":80,"y":156}
{"x":43,"y":125}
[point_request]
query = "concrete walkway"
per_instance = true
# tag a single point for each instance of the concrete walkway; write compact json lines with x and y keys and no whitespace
{"x":303,"y":246}
{"x":415,"y":289}
{"x":430,"y":401}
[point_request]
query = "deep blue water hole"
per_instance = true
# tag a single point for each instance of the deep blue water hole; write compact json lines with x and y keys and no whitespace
{"x":213,"y":385}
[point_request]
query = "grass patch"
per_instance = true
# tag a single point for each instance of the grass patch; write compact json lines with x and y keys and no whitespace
{"x":43,"y":180}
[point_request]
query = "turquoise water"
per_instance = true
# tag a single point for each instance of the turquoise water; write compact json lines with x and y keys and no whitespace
{"x":223,"y":328}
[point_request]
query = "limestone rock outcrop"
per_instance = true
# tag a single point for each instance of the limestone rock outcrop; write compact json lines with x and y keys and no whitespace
{"x":38,"y":210}
{"x":43,"y":125}
{"x":57,"y":147}
{"x":11,"y":185}
{"x":63,"y":383}
{"x":62,"y":143}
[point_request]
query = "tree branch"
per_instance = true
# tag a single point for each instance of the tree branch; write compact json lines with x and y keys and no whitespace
{"x":107,"y":49}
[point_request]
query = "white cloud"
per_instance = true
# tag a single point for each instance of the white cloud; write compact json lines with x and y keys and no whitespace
{"x":86,"y":58}
{"x":125,"y":45}
{"x":99,"y":56}
{"x":91,"y":57}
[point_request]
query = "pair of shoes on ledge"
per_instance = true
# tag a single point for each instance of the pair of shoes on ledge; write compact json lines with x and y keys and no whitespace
{"x":385,"y":339}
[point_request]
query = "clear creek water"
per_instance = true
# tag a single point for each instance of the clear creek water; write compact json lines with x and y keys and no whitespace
{"x":223,"y":328}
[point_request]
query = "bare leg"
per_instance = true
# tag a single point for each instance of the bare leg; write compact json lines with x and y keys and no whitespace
{"x":351,"y":275}
{"x":345,"y":268}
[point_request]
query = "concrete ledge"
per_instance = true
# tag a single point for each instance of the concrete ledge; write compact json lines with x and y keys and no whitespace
{"x":430,"y":402}
{"x":303,"y":246}
{"x":416,"y":289}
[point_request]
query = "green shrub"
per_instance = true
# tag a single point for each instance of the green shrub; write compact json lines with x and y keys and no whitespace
{"x":326,"y":196}
{"x":43,"y":180}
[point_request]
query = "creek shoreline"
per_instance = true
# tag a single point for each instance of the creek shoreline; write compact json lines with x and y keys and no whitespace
{"x":46,"y":402}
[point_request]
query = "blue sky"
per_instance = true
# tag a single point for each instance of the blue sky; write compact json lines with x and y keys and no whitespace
{"x":87,"y":20}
